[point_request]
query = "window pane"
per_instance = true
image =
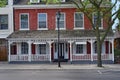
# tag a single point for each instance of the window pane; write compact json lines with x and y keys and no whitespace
{"x":24,"y":48}
{"x":3,"y":22}
{"x":79,"y":49}
{"x":95,"y":17}
{"x":42,"y":20}
{"x":42,"y":48}
{"x":61,"y":21}
{"x":78,"y":20}
{"x":24,"y":21}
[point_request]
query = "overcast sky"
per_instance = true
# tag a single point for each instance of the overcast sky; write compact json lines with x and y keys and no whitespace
{"x":116,"y":8}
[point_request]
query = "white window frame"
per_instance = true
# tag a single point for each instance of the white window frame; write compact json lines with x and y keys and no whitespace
{"x":7,"y":21}
{"x":101,"y":27}
{"x":35,"y":1}
{"x":75,"y":20}
{"x":38,"y":49}
{"x":46,"y":22}
{"x":59,"y":21}
{"x":24,"y":48}
{"x":20,"y":21}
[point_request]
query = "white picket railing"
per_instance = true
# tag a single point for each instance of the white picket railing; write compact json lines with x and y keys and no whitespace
{"x":88,"y":57}
{"x":19,"y":57}
{"x":45,"y":57}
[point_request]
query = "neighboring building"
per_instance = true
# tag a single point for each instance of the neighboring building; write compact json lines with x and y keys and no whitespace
{"x":35,"y":35}
{"x":6,"y":28}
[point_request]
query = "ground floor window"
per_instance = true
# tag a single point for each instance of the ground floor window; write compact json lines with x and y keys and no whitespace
{"x":79,"y":48}
{"x":42,"y":48}
{"x":24,"y":48}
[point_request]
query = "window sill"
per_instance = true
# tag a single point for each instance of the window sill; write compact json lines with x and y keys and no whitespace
{"x":42,"y":28}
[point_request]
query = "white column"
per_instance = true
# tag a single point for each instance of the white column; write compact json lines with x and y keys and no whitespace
{"x":113,"y":50}
{"x":10,"y":2}
{"x":71,"y":50}
{"x":50,"y":50}
{"x":9,"y":55}
{"x":29,"y":51}
{"x":91,"y":50}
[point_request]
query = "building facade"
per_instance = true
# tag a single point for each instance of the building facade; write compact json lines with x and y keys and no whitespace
{"x":36,"y":34}
{"x":6,"y":28}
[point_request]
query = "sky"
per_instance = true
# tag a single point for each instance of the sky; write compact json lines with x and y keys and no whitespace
{"x":115,"y":9}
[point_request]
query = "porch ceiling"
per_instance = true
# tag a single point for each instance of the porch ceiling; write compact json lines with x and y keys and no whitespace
{"x":53,"y":34}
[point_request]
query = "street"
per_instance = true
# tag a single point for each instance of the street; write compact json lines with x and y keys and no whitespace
{"x":60,"y":74}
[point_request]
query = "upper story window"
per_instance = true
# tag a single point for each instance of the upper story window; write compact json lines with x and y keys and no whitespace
{"x":3,"y":22}
{"x":42,"y":21}
{"x":34,"y":1}
{"x":95,"y":18}
{"x":61,"y":21}
{"x":24,"y":21}
{"x":79,"y":20}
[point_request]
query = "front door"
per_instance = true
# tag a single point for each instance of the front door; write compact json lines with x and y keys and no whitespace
{"x":63,"y":51}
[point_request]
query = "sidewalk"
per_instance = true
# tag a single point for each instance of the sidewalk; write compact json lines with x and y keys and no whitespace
{"x":51,"y":66}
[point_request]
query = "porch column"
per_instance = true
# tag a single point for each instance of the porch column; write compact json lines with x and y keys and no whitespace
{"x":91,"y":50}
{"x":71,"y":50}
{"x":113,"y":50}
{"x":50,"y":50}
{"x":9,"y":55}
{"x":29,"y":51}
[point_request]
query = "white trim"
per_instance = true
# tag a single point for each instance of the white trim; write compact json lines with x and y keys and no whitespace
{"x":62,"y":20}
{"x":46,"y":22}
{"x":20,"y":21}
{"x":80,"y":42}
{"x":75,"y":28}
{"x":39,"y":43}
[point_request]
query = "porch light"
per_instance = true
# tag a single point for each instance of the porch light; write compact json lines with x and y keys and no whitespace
{"x":58,"y":19}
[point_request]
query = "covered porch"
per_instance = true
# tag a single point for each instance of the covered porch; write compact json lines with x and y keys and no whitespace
{"x":34,"y":47}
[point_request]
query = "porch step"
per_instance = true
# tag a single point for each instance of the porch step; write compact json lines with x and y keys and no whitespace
{"x":61,"y":60}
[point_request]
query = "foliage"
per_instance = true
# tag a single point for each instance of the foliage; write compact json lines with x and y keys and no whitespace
{"x":3,"y":3}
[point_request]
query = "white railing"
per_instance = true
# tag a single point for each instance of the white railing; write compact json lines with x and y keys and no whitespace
{"x":38,"y":57}
{"x":81,"y":57}
{"x":103,"y":57}
{"x":76,"y":57}
{"x":19,"y":57}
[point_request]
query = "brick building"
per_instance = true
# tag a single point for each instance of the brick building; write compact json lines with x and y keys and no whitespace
{"x":35,"y":36}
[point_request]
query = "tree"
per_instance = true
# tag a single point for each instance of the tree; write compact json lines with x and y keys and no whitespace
{"x":102,"y":10}
{"x":3,"y":3}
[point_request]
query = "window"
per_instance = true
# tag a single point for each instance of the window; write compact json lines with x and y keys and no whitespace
{"x":42,"y":48}
{"x":95,"y":47}
{"x":24,"y":21}
{"x":61,"y":21}
{"x":95,"y":17}
{"x":79,"y":20}
{"x":3,"y":22}
{"x":79,"y":48}
{"x":34,"y":1}
{"x":24,"y":48}
{"x":42,"y":20}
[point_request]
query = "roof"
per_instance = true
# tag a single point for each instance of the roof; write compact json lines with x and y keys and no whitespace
{"x":54,"y":33}
{"x":26,"y":2}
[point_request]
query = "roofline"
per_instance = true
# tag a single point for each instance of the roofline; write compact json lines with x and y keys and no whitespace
{"x":43,"y":6}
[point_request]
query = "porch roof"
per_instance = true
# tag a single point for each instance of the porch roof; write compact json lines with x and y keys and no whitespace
{"x":54,"y":33}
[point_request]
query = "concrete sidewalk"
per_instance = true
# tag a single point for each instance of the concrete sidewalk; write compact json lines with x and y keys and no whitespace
{"x":52,"y":66}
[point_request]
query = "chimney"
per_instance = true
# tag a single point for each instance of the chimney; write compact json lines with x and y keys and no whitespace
{"x":10,"y":2}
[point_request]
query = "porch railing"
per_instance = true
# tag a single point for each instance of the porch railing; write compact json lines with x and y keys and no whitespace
{"x":19,"y":57}
{"x":81,"y":57}
{"x":44,"y":57}
{"x":88,"y":57}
